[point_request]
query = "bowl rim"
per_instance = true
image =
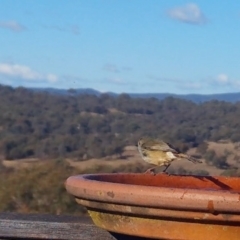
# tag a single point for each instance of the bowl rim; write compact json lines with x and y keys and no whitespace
{"x":87,"y":187}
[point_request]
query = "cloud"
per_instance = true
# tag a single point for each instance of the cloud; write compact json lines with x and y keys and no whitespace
{"x":12,"y":25}
{"x":74,"y":29}
{"x":190,"y":13}
{"x":15,"y":70}
{"x":110,"y":68}
{"x":51,"y":78}
{"x":25,"y":73}
{"x":222,"y":78}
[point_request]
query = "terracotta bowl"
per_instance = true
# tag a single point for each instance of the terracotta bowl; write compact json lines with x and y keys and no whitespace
{"x":161,"y":206}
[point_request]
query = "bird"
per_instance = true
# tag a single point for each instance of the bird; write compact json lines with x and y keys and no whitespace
{"x":160,"y":153}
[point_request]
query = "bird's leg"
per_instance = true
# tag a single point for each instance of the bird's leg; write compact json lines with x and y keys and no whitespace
{"x":164,"y":171}
{"x":150,"y":170}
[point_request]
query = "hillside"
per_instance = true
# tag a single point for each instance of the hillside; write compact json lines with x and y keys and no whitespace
{"x":46,"y":126}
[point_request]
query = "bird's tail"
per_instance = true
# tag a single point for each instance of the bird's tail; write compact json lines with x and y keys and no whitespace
{"x":192,"y":159}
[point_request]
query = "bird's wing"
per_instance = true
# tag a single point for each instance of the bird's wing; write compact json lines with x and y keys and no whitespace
{"x":160,"y":146}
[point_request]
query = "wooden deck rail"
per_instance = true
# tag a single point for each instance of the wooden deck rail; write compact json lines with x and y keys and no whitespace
{"x":38,"y":226}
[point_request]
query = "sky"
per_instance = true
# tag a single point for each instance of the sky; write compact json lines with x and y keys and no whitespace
{"x":132,"y":46}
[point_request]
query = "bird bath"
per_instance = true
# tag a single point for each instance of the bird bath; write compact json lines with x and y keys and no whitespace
{"x":161,"y":206}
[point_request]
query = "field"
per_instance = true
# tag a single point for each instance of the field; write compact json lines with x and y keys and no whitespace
{"x":30,"y":185}
{"x":130,"y":158}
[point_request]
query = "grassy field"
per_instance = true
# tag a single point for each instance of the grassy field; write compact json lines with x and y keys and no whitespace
{"x":29,"y":185}
{"x":131,"y":157}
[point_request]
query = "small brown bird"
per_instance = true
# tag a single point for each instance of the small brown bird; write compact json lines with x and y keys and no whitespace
{"x":160,"y":153}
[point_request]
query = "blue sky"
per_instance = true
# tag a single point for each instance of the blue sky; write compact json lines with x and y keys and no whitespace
{"x":121,"y":45}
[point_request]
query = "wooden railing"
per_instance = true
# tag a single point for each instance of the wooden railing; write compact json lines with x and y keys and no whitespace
{"x":38,"y":226}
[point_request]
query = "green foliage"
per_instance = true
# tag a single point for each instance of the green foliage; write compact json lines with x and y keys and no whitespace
{"x":202,"y":148}
{"x":217,"y":161}
{"x":183,"y":171}
{"x":201,"y":173}
{"x":231,"y":173}
{"x":221,"y":162}
{"x":39,"y":189}
{"x":209,"y":156}
{"x":85,"y":126}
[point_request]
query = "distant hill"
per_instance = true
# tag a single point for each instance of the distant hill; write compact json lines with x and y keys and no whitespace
{"x":67,"y":91}
{"x":196,"y":98}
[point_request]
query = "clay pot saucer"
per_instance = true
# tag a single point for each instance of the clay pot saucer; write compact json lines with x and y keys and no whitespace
{"x":161,"y":206}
